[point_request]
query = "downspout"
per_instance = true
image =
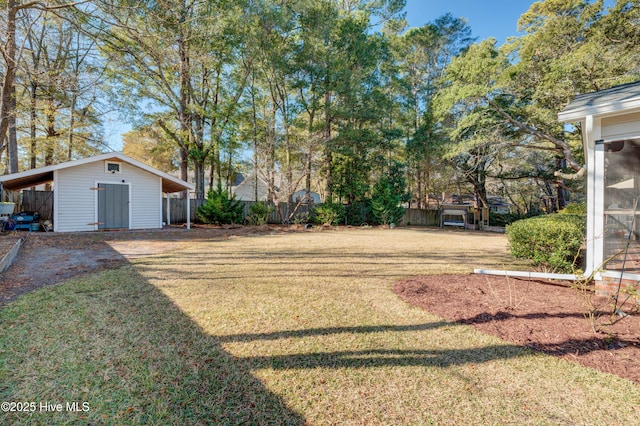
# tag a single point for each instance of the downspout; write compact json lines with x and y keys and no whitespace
{"x":524,"y":274}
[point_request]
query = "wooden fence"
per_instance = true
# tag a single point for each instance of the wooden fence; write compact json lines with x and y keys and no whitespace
{"x":42,"y":202}
{"x":178,"y":210}
{"x":37,"y":201}
{"x":178,"y":213}
{"x":419,"y":217}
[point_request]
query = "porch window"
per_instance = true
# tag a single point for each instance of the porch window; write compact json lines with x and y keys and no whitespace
{"x":621,"y":206}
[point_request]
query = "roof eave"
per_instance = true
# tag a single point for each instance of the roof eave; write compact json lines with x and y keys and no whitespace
{"x":608,"y":109}
{"x":169,"y":183}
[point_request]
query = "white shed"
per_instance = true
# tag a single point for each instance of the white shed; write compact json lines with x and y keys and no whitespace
{"x":610,"y":121}
{"x":107,"y":191}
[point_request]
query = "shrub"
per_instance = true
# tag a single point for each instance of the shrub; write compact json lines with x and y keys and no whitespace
{"x":575,"y":208}
{"x":220,"y":207}
{"x":551,"y":242}
{"x":302,"y":218}
{"x":329,"y":213}
{"x":358,"y":213}
{"x":259,"y":213}
{"x":504,"y":219}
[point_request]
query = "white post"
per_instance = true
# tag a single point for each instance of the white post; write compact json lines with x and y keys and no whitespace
{"x":168,"y":210}
{"x":595,"y":195}
{"x":188,"y":211}
{"x":598,"y":208}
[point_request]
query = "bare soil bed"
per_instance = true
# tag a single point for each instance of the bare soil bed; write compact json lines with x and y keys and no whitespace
{"x":542,"y":315}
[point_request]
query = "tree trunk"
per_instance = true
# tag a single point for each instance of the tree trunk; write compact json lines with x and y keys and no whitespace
{"x":419,"y":187}
{"x":327,"y":148}
{"x":199,"y":166}
{"x":32,"y":125}
{"x":72,"y":121}
{"x":184,"y":170}
{"x":13,"y":137}
{"x":560,"y":187}
{"x":50,"y":132}
{"x":7,"y":96}
{"x":183,"y":114}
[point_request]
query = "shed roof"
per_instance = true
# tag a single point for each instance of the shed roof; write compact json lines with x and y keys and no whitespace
{"x":33,"y":177}
{"x":610,"y":101}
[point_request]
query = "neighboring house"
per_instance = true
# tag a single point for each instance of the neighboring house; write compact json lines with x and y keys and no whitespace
{"x":246,"y":190}
{"x":610,"y":122}
{"x":499,"y":205}
{"x":314,"y":197}
{"x":495,"y":203}
{"x":107,"y":191}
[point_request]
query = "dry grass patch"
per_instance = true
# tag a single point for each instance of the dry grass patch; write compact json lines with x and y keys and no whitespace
{"x":298,"y":328}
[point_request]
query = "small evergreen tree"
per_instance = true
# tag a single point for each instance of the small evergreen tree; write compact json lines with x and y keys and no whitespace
{"x":388,"y":195}
{"x":220,"y":207}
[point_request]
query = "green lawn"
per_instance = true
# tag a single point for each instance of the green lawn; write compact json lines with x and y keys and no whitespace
{"x":287,"y":329}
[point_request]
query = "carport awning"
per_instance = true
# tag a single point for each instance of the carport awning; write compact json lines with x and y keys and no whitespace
{"x":169,"y":186}
{"x":28,"y":181}
{"x":42,"y":175}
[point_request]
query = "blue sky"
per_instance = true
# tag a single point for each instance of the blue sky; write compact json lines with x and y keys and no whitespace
{"x":487,"y":18}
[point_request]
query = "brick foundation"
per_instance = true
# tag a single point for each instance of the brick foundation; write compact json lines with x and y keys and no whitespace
{"x":609,"y":286}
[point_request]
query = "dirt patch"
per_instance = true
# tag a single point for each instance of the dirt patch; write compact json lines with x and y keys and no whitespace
{"x":50,"y":258}
{"x":544,"y":316}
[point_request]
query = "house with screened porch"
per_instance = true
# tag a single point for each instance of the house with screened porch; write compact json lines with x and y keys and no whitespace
{"x":610,"y":121}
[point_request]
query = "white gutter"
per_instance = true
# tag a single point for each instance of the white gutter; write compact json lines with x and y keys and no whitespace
{"x":524,"y":274}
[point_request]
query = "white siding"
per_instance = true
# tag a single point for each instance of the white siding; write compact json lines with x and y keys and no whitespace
{"x":76,"y":201}
{"x":246,"y":190}
{"x":621,"y":126}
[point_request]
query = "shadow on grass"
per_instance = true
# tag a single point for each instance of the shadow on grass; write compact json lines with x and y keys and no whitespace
{"x":116,"y":342}
{"x":372,"y":357}
{"x":323,"y":331}
{"x":388,"y":358}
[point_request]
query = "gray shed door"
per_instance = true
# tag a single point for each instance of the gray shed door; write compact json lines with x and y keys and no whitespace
{"x":113,"y":206}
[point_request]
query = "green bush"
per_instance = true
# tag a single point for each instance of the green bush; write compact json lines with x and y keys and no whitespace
{"x":358,"y":213}
{"x":329,"y":213}
{"x":259,"y":213}
{"x":386,"y":202}
{"x":504,"y":219}
{"x":220,"y":207}
{"x":551,"y":242}
{"x":575,"y":208}
{"x":302,"y":218}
